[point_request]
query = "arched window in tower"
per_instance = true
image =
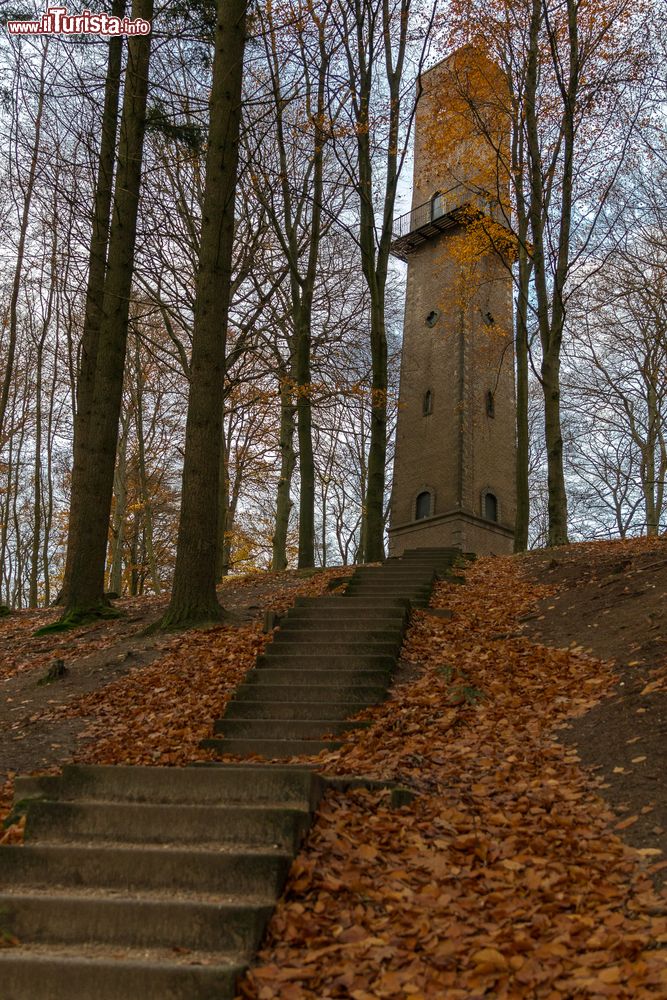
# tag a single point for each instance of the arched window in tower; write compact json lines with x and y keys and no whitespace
{"x":437,"y":205}
{"x":423,"y":505}
{"x":490,"y":404}
{"x":427,"y":403}
{"x":490,"y":507}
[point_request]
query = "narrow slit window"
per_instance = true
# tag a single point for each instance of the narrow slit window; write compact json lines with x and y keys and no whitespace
{"x":423,"y":506}
{"x":490,"y":404}
{"x":437,"y":205}
{"x":427,"y":403}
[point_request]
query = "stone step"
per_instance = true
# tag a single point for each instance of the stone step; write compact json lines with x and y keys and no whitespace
{"x":373,"y":590}
{"x":143,"y":877}
{"x":390,"y":588}
{"x":412,"y":594}
{"x":305,"y":660}
{"x":389,"y":584}
{"x":390,"y":603}
{"x":325,"y":694}
{"x":252,"y":825}
{"x":29,"y":976}
{"x":201,"y":925}
{"x":259,"y":873}
{"x":270,"y":709}
{"x":427,"y":559}
{"x":307,"y":646}
{"x":407,"y":574}
{"x":320,"y":630}
{"x":170,"y":785}
{"x":271,"y":749}
{"x":348,"y":611}
{"x":439,"y":569}
{"x":285,"y":729}
{"x":345,"y":677}
{"x":438,"y":549}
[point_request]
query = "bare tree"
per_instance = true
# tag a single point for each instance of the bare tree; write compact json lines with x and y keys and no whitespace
{"x":193,"y":597}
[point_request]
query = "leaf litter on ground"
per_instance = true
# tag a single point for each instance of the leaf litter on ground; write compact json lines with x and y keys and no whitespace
{"x":503,"y":878}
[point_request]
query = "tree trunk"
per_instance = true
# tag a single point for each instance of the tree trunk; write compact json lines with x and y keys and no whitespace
{"x":287,"y":465}
{"x":377,"y":452}
{"x":143,"y":477}
{"x":374,"y":24}
{"x":33,"y":600}
{"x":97,"y":261}
{"x":223,"y":548}
{"x":290,"y":230}
{"x":193,"y":596}
{"x":50,"y":449}
{"x":550,"y":373}
{"x":649,"y":462}
{"x":120,"y":508}
{"x":550,"y":306}
{"x":20,"y":252}
{"x":522,"y":427}
{"x":304,"y":423}
{"x":84,"y":590}
{"x":134,"y":557}
{"x":38,"y":485}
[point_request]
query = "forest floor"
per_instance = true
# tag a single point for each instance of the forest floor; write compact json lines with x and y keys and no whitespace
{"x":530,"y":725}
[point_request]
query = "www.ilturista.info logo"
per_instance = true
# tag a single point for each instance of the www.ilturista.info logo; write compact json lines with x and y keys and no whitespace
{"x":56,"y":21}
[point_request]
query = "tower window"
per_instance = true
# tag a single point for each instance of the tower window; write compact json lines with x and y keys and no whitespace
{"x":432,"y":317}
{"x":427,"y":403}
{"x":490,"y":404}
{"x":490,"y":507}
{"x":423,"y":505}
{"x":437,"y":206}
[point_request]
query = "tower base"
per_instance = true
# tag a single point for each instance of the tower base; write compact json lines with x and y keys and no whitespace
{"x":455,"y":528}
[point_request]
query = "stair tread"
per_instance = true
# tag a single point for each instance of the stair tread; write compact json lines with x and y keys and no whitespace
{"x":205,"y":809}
{"x":123,"y":847}
{"x":95,"y":954}
{"x":146,"y":895}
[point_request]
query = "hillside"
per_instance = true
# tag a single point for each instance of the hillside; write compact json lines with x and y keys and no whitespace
{"x":530,"y":725}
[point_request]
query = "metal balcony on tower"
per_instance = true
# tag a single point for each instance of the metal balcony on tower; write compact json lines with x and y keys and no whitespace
{"x":444,"y":210}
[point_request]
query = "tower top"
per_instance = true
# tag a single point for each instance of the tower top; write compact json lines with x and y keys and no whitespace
{"x":461,"y":138}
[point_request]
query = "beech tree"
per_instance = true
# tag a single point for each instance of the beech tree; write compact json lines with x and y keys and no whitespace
{"x":193,"y":597}
{"x":97,"y":261}
{"x":92,"y":481}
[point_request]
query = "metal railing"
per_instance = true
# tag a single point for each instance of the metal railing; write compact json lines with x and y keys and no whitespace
{"x":440,"y":204}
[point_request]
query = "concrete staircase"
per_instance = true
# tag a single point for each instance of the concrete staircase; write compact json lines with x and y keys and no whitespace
{"x":330,"y":658}
{"x":142,"y":883}
{"x":150,"y":883}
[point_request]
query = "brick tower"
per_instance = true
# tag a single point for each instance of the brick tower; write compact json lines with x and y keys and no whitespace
{"x":454,"y":470}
